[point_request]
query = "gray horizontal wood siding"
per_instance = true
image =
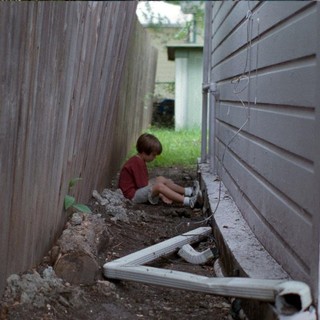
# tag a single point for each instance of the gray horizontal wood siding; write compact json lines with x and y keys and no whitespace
{"x":264,"y":58}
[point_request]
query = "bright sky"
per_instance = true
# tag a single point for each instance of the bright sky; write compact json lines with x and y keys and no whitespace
{"x":169,"y":13}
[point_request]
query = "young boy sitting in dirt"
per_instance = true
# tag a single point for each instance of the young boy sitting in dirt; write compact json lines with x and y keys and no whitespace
{"x":135,"y":184}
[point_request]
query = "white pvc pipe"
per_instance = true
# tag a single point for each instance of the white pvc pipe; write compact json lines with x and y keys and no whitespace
{"x":206,"y":83}
{"x":212,"y":108}
{"x":204,"y":126}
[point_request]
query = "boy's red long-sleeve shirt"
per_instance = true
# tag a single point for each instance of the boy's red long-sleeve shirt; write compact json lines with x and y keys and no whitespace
{"x":133,"y":176}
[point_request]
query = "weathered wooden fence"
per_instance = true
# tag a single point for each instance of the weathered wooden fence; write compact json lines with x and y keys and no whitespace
{"x":75,"y":86}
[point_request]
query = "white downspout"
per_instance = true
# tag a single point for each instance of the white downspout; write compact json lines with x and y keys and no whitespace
{"x":194,"y":257}
{"x":276,"y":291}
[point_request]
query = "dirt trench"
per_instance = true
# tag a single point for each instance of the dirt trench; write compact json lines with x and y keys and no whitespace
{"x":41,"y":294}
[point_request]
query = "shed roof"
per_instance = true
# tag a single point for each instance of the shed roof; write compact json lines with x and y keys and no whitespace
{"x":182,"y":46}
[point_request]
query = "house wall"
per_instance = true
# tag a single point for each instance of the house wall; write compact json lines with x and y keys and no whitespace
{"x":316,"y":222}
{"x":74,"y":88}
{"x":264,"y":59}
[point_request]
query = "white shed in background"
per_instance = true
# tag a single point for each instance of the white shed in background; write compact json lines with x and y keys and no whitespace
{"x":188,"y":79}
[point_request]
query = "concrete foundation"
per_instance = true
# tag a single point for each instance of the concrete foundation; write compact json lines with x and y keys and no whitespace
{"x":240,"y":253}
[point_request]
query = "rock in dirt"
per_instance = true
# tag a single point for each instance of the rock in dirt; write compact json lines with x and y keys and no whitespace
{"x":114,"y":202}
{"x":34,"y":289}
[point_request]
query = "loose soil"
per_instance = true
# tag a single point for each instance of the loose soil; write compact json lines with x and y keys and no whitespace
{"x":144,"y":225}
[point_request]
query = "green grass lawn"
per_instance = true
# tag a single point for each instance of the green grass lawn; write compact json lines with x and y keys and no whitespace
{"x":180,"y":148}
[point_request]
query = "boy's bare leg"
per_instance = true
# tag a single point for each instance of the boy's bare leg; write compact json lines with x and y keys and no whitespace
{"x":171,"y":185}
{"x":166,"y":192}
{"x":165,"y":199}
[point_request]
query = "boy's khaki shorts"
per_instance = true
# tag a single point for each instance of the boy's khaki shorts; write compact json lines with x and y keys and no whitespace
{"x":144,"y":195}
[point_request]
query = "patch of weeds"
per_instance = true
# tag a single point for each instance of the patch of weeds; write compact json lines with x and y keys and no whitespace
{"x":70,"y":201}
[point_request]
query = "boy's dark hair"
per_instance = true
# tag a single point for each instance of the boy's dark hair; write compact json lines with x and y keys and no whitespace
{"x":148,"y":143}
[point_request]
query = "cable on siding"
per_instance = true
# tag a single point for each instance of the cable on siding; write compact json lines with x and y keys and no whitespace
{"x":245,"y":75}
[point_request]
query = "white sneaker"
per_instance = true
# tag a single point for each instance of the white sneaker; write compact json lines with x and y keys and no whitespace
{"x":193,"y":201}
{"x":196,"y":200}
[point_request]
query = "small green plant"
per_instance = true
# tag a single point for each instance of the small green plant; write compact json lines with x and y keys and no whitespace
{"x":70,"y":201}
